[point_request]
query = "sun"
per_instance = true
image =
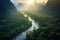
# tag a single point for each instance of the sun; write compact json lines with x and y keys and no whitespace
{"x":31,"y":1}
{"x":30,"y":4}
{"x":34,"y":2}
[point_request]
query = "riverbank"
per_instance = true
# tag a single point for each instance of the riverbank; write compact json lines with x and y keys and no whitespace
{"x":23,"y":35}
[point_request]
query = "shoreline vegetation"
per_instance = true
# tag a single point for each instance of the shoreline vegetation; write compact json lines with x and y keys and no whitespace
{"x":13,"y":22}
{"x":11,"y":28}
{"x":49,"y":27}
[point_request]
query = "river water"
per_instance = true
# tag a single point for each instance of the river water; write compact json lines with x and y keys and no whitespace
{"x":22,"y":36}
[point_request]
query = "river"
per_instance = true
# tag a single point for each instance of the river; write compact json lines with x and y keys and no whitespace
{"x":22,"y":36}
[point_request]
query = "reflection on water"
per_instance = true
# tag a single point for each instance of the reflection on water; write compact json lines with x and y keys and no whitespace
{"x":22,"y":35}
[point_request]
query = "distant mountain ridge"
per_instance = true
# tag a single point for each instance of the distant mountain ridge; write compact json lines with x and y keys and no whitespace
{"x":12,"y":22}
{"x":6,"y":8}
{"x":52,"y":7}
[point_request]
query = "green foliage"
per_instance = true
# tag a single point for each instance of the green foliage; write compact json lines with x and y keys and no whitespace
{"x":49,"y":27}
{"x":13,"y":25}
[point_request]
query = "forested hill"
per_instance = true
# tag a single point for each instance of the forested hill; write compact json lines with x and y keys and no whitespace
{"x":6,"y":8}
{"x":12,"y":22}
{"x":52,"y":8}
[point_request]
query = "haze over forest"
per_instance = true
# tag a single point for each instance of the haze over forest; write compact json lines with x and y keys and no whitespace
{"x":29,"y":19}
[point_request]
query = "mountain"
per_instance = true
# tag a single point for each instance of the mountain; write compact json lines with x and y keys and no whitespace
{"x":19,"y":5}
{"x":6,"y":8}
{"x":52,"y":8}
{"x":12,"y":22}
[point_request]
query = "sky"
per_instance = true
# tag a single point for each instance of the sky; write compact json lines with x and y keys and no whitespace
{"x":29,"y":4}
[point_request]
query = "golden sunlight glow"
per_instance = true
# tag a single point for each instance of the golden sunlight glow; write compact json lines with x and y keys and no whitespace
{"x":31,"y":1}
{"x":43,"y":1}
{"x":34,"y":2}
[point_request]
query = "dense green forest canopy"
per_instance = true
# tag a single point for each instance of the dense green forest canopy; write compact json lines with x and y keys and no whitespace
{"x":49,"y":22}
{"x":12,"y":22}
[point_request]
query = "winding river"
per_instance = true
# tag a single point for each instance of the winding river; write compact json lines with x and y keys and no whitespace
{"x":22,"y":36}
